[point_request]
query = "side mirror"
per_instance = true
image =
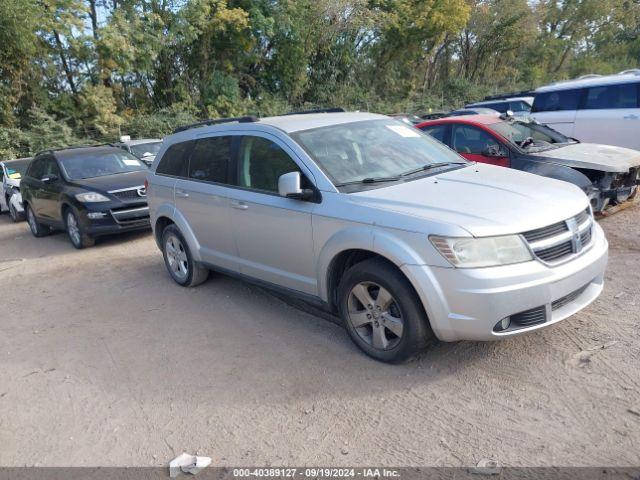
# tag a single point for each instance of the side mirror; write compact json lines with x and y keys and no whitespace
{"x":289,"y":187}
{"x":50,"y":179}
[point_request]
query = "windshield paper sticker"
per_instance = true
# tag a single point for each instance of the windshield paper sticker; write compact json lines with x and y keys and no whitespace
{"x":132,"y":163}
{"x":403,"y":131}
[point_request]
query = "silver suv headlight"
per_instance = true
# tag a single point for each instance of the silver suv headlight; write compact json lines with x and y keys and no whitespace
{"x":91,"y":197}
{"x":482,"y":252}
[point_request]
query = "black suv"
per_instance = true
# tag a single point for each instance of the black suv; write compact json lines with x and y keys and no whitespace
{"x":87,"y":191}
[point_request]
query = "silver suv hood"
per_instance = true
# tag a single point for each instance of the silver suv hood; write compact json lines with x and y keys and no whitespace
{"x":606,"y":158}
{"x":482,"y":199}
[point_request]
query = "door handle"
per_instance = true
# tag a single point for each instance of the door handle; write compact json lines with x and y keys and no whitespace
{"x":631,"y":117}
{"x":182,"y":194}
{"x":239,"y":205}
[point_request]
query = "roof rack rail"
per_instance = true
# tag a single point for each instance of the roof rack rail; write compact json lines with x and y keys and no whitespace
{"x":502,"y":96}
{"x":318,"y":110}
{"x":634,"y":71}
{"x":217,"y":121}
{"x":588,"y":75}
{"x":72,"y":147}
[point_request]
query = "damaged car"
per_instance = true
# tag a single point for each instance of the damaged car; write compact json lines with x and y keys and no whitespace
{"x":11,"y":172}
{"x":608,"y":175}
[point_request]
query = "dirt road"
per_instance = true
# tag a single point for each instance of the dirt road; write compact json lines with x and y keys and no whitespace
{"x":105,"y":361}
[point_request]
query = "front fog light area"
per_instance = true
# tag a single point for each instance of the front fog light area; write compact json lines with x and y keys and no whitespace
{"x":502,"y":325}
{"x":96,"y":215}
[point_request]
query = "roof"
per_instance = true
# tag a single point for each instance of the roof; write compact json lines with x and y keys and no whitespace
{"x":141,"y":141}
{"x":80,"y":151}
{"x":295,"y":123}
{"x":470,"y":119}
{"x":526,"y":99}
{"x":15,"y":160}
{"x":592,"y":81}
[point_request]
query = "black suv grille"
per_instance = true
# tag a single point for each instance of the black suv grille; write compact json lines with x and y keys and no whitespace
{"x":130,"y":193}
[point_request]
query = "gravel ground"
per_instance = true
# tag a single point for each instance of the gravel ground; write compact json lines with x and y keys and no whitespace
{"x":105,"y":361}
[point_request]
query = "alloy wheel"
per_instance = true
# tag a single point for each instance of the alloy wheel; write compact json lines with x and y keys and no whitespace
{"x":31,"y":218}
{"x":177,"y":257}
{"x":375,"y":315}
{"x":73,"y":229}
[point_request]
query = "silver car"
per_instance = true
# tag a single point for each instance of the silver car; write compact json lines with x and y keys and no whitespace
{"x":378,"y":223}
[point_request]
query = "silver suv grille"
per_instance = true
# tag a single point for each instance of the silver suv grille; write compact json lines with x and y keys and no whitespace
{"x":561,"y":241}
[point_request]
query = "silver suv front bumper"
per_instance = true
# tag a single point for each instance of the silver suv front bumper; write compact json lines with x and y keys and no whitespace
{"x":466,"y":304}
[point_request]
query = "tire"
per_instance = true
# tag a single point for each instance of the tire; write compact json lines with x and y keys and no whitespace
{"x":37,"y":229}
{"x":79,"y":239}
{"x":179,"y":261}
{"x":392,"y":328}
{"x":13,"y":213}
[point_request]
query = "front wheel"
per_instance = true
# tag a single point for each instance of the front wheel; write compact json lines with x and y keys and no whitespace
{"x":78,"y":238}
{"x":37,"y":228}
{"x":178,"y":260}
{"x":13,"y":213}
{"x":382,"y":312}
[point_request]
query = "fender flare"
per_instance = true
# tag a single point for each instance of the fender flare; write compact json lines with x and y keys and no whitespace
{"x":364,"y":238}
{"x":170,"y":212}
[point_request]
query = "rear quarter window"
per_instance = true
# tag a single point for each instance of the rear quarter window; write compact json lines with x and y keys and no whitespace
{"x":623,"y":95}
{"x":175,"y":161}
{"x":559,"y":100}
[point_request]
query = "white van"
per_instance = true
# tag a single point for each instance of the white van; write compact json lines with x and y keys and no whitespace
{"x":593,"y":108}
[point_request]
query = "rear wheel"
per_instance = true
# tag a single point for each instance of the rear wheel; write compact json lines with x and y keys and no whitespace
{"x":37,"y":228}
{"x":382,"y":312}
{"x":78,"y":238}
{"x":178,"y":260}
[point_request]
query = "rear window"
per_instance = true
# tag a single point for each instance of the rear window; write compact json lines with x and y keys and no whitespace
{"x":623,"y":95}
{"x":175,"y":160}
{"x":559,"y":100}
{"x":210,"y":159}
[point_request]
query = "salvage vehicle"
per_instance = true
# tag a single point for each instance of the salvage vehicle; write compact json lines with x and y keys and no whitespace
{"x":377,"y":222}
{"x":11,"y":171}
{"x":608,"y":175}
{"x":87,"y":191}
{"x":145,"y":149}
{"x":580,"y":108}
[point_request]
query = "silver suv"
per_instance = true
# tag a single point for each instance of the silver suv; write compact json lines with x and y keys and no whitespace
{"x":377,"y":222}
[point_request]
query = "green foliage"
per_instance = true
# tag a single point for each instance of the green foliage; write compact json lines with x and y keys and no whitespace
{"x":93,"y":69}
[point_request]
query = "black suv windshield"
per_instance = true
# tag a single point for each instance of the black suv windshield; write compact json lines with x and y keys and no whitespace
{"x":99,"y":164}
{"x":17,"y":168}
{"x":373,"y":150}
{"x":529,"y":136}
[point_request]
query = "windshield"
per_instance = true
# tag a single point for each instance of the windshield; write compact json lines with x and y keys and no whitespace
{"x":372,"y":149}
{"x":16,"y":169}
{"x":78,"y":167}
{"x":146,"y":149}
{"x":529,"y":135}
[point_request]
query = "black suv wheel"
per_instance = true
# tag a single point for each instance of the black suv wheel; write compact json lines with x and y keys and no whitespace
{"x":382,"y":312}
{"x":37,"y":228}
{"x":78,"y":238}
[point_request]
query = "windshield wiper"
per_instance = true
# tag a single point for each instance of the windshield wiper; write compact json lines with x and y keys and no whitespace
{"x":370,"y":180}
{"x":430,"y":166}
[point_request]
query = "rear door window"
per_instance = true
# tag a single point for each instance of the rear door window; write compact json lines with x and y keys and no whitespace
{"x":36,"y":169}
{"x":560,"y":100}
{"x":175,"y":161}
{"x":210,"y":159}
{"x":437,"y":131}
{"x":624,"y":95}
